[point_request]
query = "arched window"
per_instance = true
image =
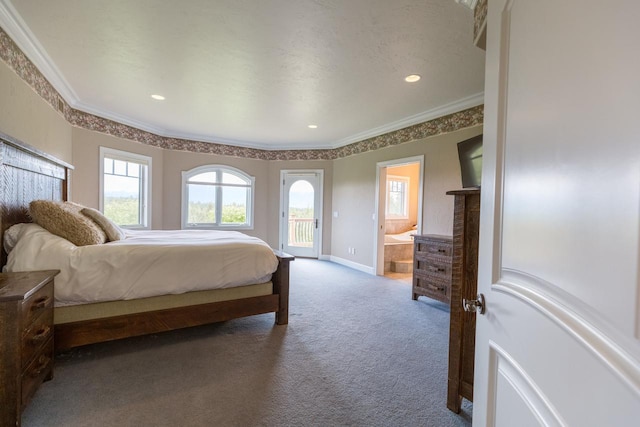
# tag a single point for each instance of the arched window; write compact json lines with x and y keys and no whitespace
{"x":216,"y":196}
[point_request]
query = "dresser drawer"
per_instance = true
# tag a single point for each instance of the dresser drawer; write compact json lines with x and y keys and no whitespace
{"x":36,"y":335}
{"x":442,"y":249}
{"x":434,"y":267}
{"x":37,"y":303}
{"x":433,"y":288}
{"x":37,"y":371}
{"x":433,"y":246}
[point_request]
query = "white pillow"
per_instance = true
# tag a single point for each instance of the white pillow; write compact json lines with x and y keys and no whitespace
{"x":111,"y":229}
{"x":11,"y":236}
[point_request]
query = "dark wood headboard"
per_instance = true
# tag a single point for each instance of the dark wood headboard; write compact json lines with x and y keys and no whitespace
{"x":27,"y":174}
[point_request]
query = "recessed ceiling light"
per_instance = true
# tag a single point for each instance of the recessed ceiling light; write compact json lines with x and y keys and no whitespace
{"x":158,"y":97}
{"x":412,"y":78}
{"x":313,"y":126}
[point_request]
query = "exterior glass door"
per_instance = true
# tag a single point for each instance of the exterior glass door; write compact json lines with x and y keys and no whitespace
{"x":301,"y":213}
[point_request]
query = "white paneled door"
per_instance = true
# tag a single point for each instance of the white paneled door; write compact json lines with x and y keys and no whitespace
{"x":301,"y":213}
{"x":559,"y":240}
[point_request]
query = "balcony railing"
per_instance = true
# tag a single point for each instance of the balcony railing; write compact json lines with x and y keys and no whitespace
{"x":301,"y":232}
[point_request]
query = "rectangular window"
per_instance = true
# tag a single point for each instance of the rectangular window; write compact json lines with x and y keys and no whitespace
{"x":397,"y":197}
{"x":125,"y":187}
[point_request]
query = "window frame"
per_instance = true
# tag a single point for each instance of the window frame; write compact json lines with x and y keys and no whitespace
{"x":219,"y":170}
{"x":145,"y":183}
{"x":407,"y":182}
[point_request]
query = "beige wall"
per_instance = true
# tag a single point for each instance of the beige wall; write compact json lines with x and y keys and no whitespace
{"x":167,"y":168}
{"x":354,"y":187}
{"x":24,"y":115}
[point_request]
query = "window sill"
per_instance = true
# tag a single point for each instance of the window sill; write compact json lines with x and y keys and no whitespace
{"x":217,"y":227}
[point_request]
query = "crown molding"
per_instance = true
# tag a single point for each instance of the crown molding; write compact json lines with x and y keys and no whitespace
{"x":434,"y":113}
{"x":162,"y":132}
{"x":17,"y":29}
{"x":452,"y":107}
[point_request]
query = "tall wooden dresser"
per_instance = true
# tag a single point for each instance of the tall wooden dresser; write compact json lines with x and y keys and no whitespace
{"x":464,"y":285}
{"x":26,"y":337}
{"x":432,"y":266}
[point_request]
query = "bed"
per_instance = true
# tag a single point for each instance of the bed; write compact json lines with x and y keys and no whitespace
{"x":29,"y":174}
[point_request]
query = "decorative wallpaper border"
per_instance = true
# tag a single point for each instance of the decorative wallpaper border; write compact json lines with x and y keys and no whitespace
{"x":479,"y":17}
{"x":11,"y":54}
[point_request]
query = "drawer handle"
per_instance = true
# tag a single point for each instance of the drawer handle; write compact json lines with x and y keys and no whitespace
{"x":436,"y":288}
{"x":40,"y":303}
{"x":442,"y":251}
{"x":437,"y":269}
{"x":41,"y":335}
{"x":43,"y":361}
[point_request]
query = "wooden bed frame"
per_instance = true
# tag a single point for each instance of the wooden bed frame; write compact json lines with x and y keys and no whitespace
{"x":29,"y":174}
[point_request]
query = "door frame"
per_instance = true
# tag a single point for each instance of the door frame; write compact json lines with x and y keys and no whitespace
{"x":380,"y":199}
{"x":281,"y":225}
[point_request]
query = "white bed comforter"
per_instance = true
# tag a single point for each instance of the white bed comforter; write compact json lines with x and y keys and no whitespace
{"x":144,"y":264}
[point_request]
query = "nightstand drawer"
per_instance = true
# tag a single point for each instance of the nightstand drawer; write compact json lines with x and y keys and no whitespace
{"x":37,"y":371}
{"x":37,"y":303}
{"x":36,"y":335}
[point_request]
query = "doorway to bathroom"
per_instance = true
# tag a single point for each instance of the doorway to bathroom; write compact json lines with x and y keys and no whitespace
{"x":399,"y":186}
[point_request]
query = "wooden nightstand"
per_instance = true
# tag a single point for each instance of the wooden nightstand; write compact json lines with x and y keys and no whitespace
{"x":26,"y":336}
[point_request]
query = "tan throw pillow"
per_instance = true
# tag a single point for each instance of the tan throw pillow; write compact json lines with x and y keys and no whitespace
{"x":67,"y":222}
{"x":110,"y":228}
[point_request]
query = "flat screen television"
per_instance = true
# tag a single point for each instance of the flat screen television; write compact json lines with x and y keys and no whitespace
{"x":470,"y":154}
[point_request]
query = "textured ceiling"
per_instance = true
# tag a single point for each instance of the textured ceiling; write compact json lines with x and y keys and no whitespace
{"x":255,"y":73}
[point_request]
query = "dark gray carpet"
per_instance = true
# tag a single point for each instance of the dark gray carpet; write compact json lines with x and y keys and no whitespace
{"x":357,"y":352}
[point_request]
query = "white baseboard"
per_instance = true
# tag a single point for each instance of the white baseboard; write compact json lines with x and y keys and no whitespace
{"x":351,"y":264}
